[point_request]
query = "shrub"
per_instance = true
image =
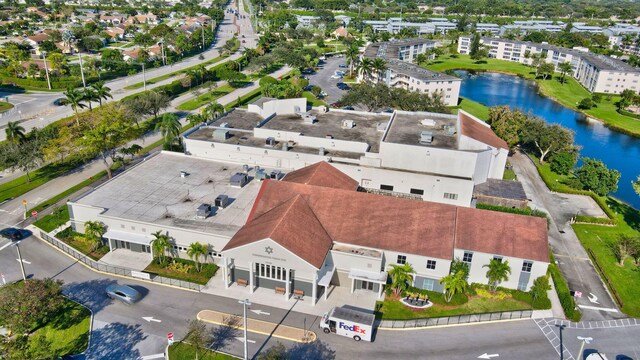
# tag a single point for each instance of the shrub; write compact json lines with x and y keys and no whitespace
{"x":595,"y":220}
{"x":179,"y":267}
{"x":585,"y":104}
{"x":597,"y":98}
{"x":563,"y":162}
{"x":438,"y":297}
{"x":499,"y":295}
{"x":568,"y":304}
{"x":526,"y":211}
{"x":267,"y":80}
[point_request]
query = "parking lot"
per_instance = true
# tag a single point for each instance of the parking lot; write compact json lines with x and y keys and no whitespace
{"x":322,"y":78}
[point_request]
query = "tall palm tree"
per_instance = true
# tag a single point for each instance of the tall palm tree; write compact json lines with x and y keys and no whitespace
{"x":565,"y":69}
{"x":169,"y":127}
{"x":102,"y":92}
{"x":74,"y":98}
{"x":161,"y":244}
{"x":374,"y":37}
{"x":402,"y":277}
{"x":195,"y":119}
{"x":365,"y":68}
{"x":498,"y":272}
{"x":353,"y":56}
{"x":14,"y":131}
{"x":453,"y":284}
{"x":89,"y":95}
{"x":213,"y":111}
{"x":195,"y":251}
{"x":93,"y":231}
{"x":379,"y":65}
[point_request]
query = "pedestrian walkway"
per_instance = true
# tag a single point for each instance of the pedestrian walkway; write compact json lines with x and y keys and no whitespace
{"x":257,"y":326}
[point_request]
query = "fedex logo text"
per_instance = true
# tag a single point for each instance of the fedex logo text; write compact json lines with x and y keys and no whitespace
{"x":354,"y":328}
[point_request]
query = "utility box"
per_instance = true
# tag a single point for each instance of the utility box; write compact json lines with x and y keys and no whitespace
{"x":204,"y":211}
{"x":221,"y":201}
{"x":239,"y":180}
{"x":276,"y":175}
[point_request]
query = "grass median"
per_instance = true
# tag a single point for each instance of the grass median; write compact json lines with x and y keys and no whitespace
{"x":568,"y":94}
{"x":184,"y":351}
{"x":204,"y":99}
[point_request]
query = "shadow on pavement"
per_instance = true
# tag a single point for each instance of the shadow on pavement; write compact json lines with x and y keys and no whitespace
{"x":91,"y":294}
{"x":316,"y":350}
{"x":221,"y":336}
{"x":115,"y":341}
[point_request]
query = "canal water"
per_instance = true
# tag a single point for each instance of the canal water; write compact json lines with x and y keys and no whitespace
{"x":618,"y":151}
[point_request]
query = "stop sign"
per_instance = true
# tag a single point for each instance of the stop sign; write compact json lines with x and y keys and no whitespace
{"x":170,"y":336}
{"x":34,"y":213}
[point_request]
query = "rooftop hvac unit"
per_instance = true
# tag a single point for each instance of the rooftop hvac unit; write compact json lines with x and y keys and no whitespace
{"x":426,"y":137}
{"x":261,"y":174}
{"x":382,"y":126}
{"x":309,"y":119}
{"x":428,"y":122}
{"x":321,"y":151}
{"x":271,"y":141}
{"x":450,"y":130}
{"x":245,"y":168}
{"x":220,"y":135}
{"x":183,"y":174}
{"x":348,"y":124}
{"x":222,"y":201}
{"x":224,"y":125}
{"x":239,"y":180}
{"x":204,"y":210}
{"x":276,"y":175}
{"x":285,"y":146}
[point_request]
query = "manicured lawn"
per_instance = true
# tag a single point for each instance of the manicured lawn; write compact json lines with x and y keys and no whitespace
{"x":568,"y":94}
{"x":474,"y":108}
{"x":205,"y":98}
{"x":207,"y":271}
{"x":395,"y":310}
{"x":45,"y":204}
{"x":182,"y":351}
{"x":53,"y":221}
{"x":509,"y":174}
{"x":68,"y":330}
{"x":4,"y":106}
{"x":311,"y":99}
{"x":77,"y":241}
{"x":624,"y":278}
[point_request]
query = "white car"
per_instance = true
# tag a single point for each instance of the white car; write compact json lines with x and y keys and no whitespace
{"x":336,"y":76}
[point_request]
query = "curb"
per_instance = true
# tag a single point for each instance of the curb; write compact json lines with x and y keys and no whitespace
{"x":106,"y":273}
{"x":450,"y":325}
{"x":312,"y":334}
{"x":90,"y":323}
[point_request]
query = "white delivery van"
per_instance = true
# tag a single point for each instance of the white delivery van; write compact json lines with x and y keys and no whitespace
{"x":344,"y":321}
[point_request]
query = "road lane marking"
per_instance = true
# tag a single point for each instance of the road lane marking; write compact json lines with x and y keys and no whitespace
{"x":597,"y":308}
{"x":150,"y":319}
{"x":24,"y":261}
{"x":151,"y":357}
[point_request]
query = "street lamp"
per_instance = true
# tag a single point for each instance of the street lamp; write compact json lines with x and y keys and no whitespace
{"x":24,"y":202}
{"x":245,"y":303}
{"x":585,"y":340}
{"x":561,"y":327}
{"x":304,"y":327}
{"x":24,"y":275}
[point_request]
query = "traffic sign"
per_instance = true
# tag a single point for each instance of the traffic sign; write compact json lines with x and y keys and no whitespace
{"x":34,"y":213}
{"x":577,"y":294}
{"x":170,"y":338}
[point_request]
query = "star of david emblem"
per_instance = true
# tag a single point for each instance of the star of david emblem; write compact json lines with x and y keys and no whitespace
{"x":268,"y":250}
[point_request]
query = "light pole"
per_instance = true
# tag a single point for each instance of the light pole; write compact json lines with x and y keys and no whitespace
{"x":245,"y":303}
{"x":46,"y":69}
{"x":304,"y":326}
{"x":24,"y":202}
{"x":584,"y":340}
{"x":24,"y":275}
{"x":561,"y":327}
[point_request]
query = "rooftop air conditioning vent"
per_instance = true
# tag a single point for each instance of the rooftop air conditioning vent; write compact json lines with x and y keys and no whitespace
{"x":426,"y":137}
{"x":224,"y":125}
{"x":220,"y":135}
{"x":309,"y":119}
{"x":428,"y":122}
{"x":348,"y":124}
{"x":271,"y":141}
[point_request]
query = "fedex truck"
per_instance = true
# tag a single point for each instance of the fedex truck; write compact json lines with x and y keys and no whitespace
{"x":348,"y":322}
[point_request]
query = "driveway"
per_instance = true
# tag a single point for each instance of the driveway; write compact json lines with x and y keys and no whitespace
{"x":567,"y":249}
{"x":322,"y":78}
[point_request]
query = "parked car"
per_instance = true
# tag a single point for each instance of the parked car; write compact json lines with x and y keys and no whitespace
{"x":348,"y":108}
{"x":14,"y":234}
{"x":336,"y":104}
{"x":336,"y":76}
{"x":342,"y":66}
{"x":388,"y":111}
{"x":60,"y":102}
{"x":343,"y":86}
{"x":308,"y":88}
{"x":340,"y":72}
{"x":124,"y":293}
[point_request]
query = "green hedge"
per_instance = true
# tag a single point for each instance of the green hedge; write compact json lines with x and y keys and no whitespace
{"x":438,"y":297}
{"x":42,"y":84}
{"x":594,"y":220}
{"x":542,"y":303}
{"x":567,"y":301}
{"x":526,"y":211}
{"x":628,"y":113}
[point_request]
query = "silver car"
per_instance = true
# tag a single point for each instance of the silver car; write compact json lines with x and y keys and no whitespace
{"x":124,"y":293}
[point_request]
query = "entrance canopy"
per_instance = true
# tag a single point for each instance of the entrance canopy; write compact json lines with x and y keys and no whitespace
{"x":376,"y":277}
{"x":129,"y":237}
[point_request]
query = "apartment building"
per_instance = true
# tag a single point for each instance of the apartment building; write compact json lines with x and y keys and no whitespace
{"x":527,"y":26}
{"x":394,"y":25}
{"x":597,"y":73}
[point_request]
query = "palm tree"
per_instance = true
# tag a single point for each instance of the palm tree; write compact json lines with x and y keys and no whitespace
{"x":565,"y":69}
{"x":195,"y":251}
{"x":365,"y":68}
{"x":379,"y":66}
{"x":453,"y":284}
{"x":402,"y":276}
{"x":74,"y":98}
{"x":498,"y":272}
{"x":14,"y":131}
{"x":374,"y":37}
{"x":169,"y":127}
{"x":213,"y":111}
{"x":353,"y":56}
{"x":89,"y":95}
{"x":161,"y":244}
{"x":421,"y":58}
{"x":195,"y":119}
{"x":93,"y":231}
{"x":102,"y":92}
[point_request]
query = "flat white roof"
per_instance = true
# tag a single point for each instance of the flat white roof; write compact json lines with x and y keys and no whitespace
{"x":129,"y":237}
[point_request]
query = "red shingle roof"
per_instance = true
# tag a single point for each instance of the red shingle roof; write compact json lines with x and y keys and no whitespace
{"x":322,"y":174}
{"x":506,"y":234}
{"x":475,"y":130}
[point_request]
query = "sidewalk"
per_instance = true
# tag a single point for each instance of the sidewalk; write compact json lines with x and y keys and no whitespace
{"x":257,"y":326}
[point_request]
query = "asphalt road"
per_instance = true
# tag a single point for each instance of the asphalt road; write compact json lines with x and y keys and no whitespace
{"x":121,"y":333}
{"x":322,"y":78}
{"x":567,"y":249}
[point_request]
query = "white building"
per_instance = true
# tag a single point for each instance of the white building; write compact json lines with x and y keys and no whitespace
{"x":488,"y":28}
{"x":584,"y":28}
{"x":309,"y":232}
{"x":307,"y":20}
{"x":527,"y":26}
{"x":429,"y":156}
{"x":597,"y":73}
{"x":401,"y":73}
{"x":394,"y":25}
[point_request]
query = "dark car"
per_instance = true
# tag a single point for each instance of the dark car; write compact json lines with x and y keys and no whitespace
{"x":342,"y":66}
{"x":14,"y":234}
{"x":124,"y":293}
{"x":308,"y":88}
{"x":348,"y":108}
{"x":60,"y":102}
{"x":336,"y":104}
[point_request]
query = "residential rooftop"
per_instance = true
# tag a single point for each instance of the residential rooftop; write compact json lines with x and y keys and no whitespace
{"x":418,"y":72}
{"x":407,"y":128}
{"x":155,"y":192}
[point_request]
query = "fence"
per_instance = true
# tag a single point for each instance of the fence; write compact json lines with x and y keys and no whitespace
{"x":455,"y":320}
{"x":114,"y":269}
{"x":605,"y":278}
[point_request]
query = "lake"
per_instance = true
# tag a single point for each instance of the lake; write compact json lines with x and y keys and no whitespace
{"x":618,"y":151}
